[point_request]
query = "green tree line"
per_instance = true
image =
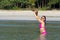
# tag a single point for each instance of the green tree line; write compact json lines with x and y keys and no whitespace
{"x":22,"y":4}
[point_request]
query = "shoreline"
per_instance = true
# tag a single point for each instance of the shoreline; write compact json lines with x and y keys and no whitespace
{"x":28,"y":15}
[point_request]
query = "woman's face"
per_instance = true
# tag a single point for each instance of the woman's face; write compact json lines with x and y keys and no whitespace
{"x":43,"y":18}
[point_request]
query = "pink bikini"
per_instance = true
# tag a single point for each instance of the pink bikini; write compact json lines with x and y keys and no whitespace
{"x":43,"y":33}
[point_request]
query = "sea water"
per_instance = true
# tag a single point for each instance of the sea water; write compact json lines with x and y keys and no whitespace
{"x":27,"y":30}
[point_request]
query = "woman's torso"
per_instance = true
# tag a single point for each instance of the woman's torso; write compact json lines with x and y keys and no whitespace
{"x":42,"y":28}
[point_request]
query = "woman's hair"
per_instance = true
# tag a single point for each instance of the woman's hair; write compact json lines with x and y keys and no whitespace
{"x":45,"y":19}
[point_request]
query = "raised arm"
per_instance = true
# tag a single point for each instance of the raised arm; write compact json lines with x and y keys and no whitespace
{"x":37,"y":17}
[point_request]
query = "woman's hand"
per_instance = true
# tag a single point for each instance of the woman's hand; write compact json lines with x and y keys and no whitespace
{"x":36,"y":15}
{"x":36,"y":12}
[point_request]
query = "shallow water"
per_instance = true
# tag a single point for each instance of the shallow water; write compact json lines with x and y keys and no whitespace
{"x":27,"y":30}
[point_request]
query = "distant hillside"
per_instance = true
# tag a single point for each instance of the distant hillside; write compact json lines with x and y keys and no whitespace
{"x":29,"y":4}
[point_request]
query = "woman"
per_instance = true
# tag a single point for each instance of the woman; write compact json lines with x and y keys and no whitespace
{"x":42,"y":25}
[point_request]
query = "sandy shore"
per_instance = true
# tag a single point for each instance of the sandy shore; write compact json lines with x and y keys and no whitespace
{"x":28,"y":15}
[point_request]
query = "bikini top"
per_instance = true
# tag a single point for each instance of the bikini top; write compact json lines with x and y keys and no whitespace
{"x":40,"y":25}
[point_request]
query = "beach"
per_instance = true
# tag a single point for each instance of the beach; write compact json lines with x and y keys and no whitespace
{"x":52,"y":15}
{"x":22,"y":25}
